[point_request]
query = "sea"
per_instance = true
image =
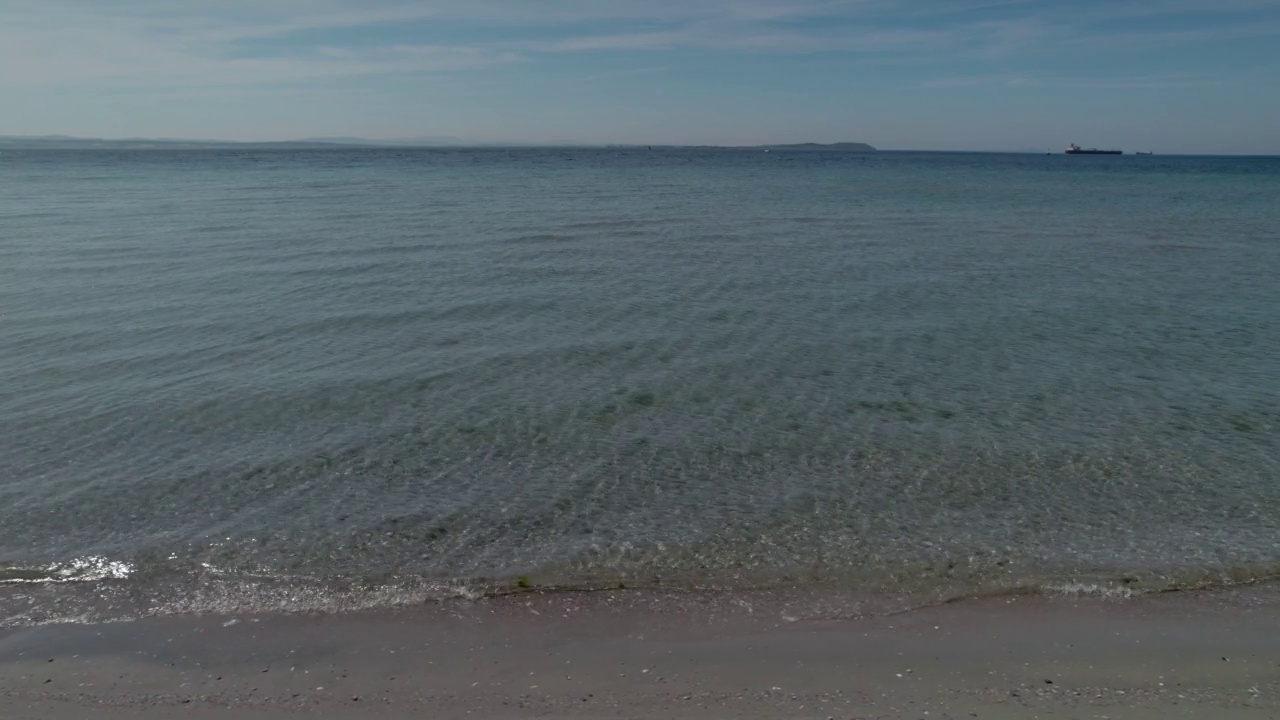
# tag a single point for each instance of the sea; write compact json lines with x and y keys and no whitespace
{"x":319,"y":380}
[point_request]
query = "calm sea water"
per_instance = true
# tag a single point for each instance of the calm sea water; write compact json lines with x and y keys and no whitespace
{"x":328,"y":379}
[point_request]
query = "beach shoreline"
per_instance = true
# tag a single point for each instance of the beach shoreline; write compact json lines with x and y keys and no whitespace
{"x":642,"y":654}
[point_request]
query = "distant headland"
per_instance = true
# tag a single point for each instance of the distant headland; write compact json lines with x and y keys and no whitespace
{"x":801,"y":147}
{"x":67,"y":142}
{"x":829,"y":147}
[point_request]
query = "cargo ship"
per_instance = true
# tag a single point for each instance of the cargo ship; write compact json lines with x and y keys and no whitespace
{"x":1074,"y":149}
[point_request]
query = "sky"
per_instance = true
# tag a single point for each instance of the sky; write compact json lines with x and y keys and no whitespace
{"x":1198,"y":76}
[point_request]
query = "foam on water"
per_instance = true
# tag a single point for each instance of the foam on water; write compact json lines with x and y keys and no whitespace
{"x":205,"y":592}
{"x":84,"y":569}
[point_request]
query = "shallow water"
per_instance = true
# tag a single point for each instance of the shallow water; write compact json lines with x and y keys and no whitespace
{"x":388,"y":374}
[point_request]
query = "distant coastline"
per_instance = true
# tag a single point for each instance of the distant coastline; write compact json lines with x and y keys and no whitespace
{"x":820,"y":147}
{"x":794,"y":147}
{"x":66,"y":142}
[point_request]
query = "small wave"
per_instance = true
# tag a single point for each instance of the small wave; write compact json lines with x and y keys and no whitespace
{"x":1097,"y":590}
{"x":89,"y":590}
{"x":91,"y":568}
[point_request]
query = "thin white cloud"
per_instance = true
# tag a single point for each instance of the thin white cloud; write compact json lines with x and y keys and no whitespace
{"x":1136,"y":39}
{"x":134,"y":42}
{"x":1137,"y":82}
{"x":630,"y":72}
{"x":968,"y":81}
{"x":202,"y":42}
{"x":616,"y":41}
{"x":984,"y":38}
{"x":42,"y":48}
{"x":1154,"y":8}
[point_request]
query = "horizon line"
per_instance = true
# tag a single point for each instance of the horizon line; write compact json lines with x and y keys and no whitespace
{"x":446,"y":142}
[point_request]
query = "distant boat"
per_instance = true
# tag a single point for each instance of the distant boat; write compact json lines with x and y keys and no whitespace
{"x":1074,"y":149}
{"x":1144,"y":153}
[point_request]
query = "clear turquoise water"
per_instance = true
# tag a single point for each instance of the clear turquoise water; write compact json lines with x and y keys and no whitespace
{"x":314,"y":379}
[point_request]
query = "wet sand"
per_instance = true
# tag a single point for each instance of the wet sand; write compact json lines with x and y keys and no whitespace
{"x":646,"y":655}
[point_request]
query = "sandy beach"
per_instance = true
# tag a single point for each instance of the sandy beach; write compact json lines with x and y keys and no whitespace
{"x":647,"y":655}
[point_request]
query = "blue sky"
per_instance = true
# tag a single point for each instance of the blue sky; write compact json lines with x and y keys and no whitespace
{"x":1166,"y":75}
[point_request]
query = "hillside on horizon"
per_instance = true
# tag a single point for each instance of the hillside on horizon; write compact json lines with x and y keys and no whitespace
{"x":54,"y":142}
